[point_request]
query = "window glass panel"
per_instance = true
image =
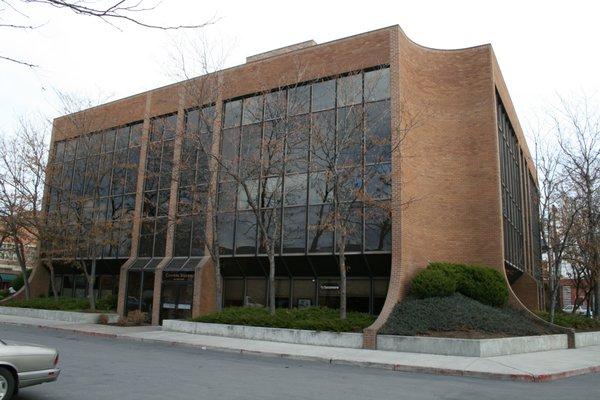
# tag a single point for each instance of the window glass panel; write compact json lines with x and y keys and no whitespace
{"x":104,"y":174}
{"x":377,"y":84}
{"x":184,"y":205}
{"x":378,"y":227}
{"x":282,"y":293}
{"x":322,"y":140}
{"x":244,"y":202}
{"x":166,"y":167}
{"x":70,"y":147}
{"x":122,"y":138}
{"x":378,"y":132}
{"x":297,"y":144}
{"x":233,"y":292}
{"x":295,"y":189}
{"x":128,"y":205}
{"x":275,"y":105}
{"x":299,"y":100}
{"x":78,"y":177}
{"x":150,"y":199}
{"x":271,"y":192}
{"x":323,"y":95}
{"x":227,"y":191}
{"x":271,"y":220}
{"x":294,"y":230}
{"x":349,"y":135}
{"x":349,"y":221}
{"x":253,"y":107}
{"x":146,"y":238}
{"x":321,"y":188}
{"x":225,"y":228}
{"x":229,"y":149}
{"x":59,"y":151}
{"x":256,"y":291}
{"x":198,"y":230}
{"x":379,"y":183}
{"x":181,"y":242}
{"x":108,"y":141}
{"x":160,"y":237}
{"x":273,"y":144}
{"x":303,"y":292}
{"x":207,"y":119}
{"x":136,"y":135}
{"x":192,"y":119}
{"x":233,"y":113}
{"x":358,"y":292}
{"x":170,"y":127}
{"x":350,"y":183}
{"x":245,"y":236}
{"x":320,"y":232}
{"x":250,"y":150}
{"x":163,"y":202}
{"x":349,"y":90}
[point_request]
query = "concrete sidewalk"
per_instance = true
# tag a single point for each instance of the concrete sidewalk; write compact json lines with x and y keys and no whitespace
{"x":532,"y":367}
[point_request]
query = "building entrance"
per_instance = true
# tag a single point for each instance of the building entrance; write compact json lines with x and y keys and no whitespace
{"x":177,"y":295}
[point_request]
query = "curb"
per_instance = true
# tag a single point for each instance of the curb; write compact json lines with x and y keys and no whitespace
{"x":525,"y":377}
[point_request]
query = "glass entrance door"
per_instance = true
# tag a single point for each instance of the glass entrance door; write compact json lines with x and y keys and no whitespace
{"x":177,"y":300}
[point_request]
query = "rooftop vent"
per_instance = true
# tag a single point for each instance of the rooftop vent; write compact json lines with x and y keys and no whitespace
{"x":281,"y":50}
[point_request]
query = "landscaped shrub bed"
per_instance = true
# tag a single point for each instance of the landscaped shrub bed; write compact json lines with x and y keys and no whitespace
{"x":313,"y":318}
{"x":575,"y":321}
{"x":458,"y":314}
{"x":483,"y":284}
{"x":63,"y":304}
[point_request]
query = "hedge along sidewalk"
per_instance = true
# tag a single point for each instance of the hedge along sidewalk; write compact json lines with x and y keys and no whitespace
{"x":531,"y":367}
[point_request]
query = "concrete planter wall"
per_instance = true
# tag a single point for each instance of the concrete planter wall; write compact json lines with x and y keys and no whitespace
{"x":67,"y":316}
{"x":583,"y":339}
{"x":298,"y":336}
{"x":471,"y":347}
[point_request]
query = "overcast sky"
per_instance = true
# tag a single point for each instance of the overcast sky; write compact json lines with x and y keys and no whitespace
{"x":543,"y":47}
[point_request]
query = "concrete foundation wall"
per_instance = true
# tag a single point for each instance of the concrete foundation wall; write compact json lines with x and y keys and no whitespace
{"x":67,"y":316}
{"x":471,"y":347}
{"x":583,"y":339}
{"x":316,"y":338}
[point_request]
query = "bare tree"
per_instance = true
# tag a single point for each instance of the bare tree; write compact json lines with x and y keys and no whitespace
{"x":112,"y":12}
{"x":22,"y":178}
{"x":198,"y":63}
{"x":358,"y":188}
{"x":80,"y":218}
{"x":577,"y":124}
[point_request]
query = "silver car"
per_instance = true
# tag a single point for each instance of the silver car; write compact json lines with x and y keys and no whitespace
{"x":25,"y":365}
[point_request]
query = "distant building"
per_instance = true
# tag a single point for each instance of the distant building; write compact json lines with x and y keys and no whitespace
{"x":464,"y":170}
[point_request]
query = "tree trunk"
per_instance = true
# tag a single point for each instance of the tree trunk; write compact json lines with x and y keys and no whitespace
{"x":52,"y":283}
{"x":596,"y":297}
{"x":91,"y":281}
{"x":342,"y":265}
{"x":218,"y":282}
{"x":271,"y":281}
{"x":23,"y":264}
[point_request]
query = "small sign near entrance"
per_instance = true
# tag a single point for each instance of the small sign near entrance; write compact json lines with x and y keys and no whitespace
{"x":330,"y":286}
{"x":179,"y":276}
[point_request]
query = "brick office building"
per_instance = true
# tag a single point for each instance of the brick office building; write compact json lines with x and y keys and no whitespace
{"x":460,"y":187}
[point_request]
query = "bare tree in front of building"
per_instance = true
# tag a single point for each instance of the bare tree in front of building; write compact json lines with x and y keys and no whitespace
{"x":577,"y":125}
{"x":22,"y":179}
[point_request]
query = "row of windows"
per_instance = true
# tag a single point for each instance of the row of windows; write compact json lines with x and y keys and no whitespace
{"x":93,"y":182}
{"x":306,"y":230}
{"x":512,"y":209}
{"x":157,"y":186}
{"x":305,"y":98}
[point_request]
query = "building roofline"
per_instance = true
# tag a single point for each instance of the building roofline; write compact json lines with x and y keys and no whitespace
{"x":274,"y":56}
